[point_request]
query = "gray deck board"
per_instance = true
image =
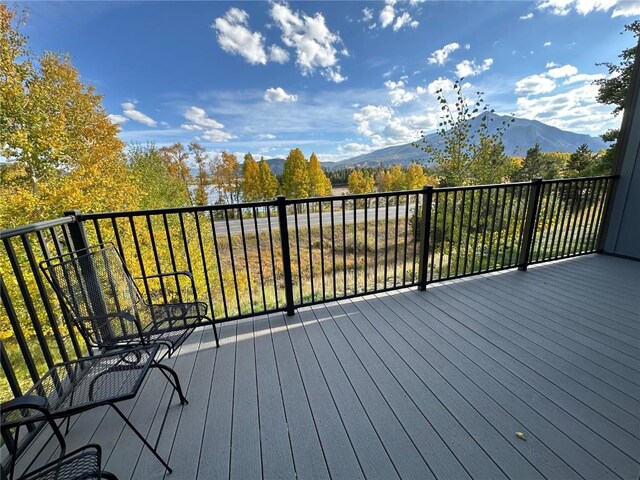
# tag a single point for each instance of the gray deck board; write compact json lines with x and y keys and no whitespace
{"x":404,"y":384}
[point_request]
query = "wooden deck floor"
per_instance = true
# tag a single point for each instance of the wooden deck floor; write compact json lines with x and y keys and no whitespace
{"x":412,"y":385}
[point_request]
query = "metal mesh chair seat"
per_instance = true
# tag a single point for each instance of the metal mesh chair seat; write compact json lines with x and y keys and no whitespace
{"x":82,"y":464}
{"x":104,"y":301}
{"x":76,"y":386}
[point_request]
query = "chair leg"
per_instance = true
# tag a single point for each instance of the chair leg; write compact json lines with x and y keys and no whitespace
{"x":144,"y":440}
{"x":215,"y":334}
{"x":215,"y":329}
{"x":175,"y":383}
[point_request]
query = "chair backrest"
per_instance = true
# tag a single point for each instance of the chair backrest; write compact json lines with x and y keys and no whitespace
{"x":93,"y":282}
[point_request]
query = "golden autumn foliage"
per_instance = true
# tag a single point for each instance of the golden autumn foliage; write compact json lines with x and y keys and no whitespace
{"x":61,"y":149}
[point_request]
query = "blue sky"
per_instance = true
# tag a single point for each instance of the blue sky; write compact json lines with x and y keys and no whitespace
{"x":337,"y":78}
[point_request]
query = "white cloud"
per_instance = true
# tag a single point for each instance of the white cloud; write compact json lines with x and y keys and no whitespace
{"x":528,"y":16}
{"x":278,"y":54}
{"x":564,"y":71}
{"x":387,"y":14}
{"x":333,"y":75}
{"x":235,"y":37}
{"x":278,"y":95}
{"x":546,"y":44}
{"x":314,"y":43}
{"x":469,"y":68}
{"x":117,"y":118}
{"x":266,"y":136}
{"x":404,"y":19}
{"x":367,"y":15}
{"x":129,"y":111}
{"x":441,"y":83}
{"x":440,"y":56}
{"x":383,"y":126}
{"x":398,"y":92}
{"x":624,"y":8}
{"x":551,"y":65}
{"x":354,"y":148}
{"x":535,"y":84}
{"x":583,"y":77}
{"x":208,"y":128}
{"x":575,"y":109}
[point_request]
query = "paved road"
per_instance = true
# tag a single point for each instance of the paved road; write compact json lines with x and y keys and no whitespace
{"x":314,"y":219}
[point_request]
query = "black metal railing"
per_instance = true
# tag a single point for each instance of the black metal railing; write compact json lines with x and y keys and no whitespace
{"x":256,"y":258}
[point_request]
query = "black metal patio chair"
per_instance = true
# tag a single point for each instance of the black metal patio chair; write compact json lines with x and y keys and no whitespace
{"x":83,"y":463}
{"x":108,"y":308}
{"x":73,"y":387}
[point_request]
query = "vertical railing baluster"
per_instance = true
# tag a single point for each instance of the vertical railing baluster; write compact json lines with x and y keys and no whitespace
{"x":529,"y":225}
{"x":233,"y":262}
{"x":462,"y":203}
{"x":366,"y":245}
{"x":313,"y":296}
{"x":592,"y":214}
{"x":452,"y":234}
{"x":156,"y":257}
{"x":552,"y":191}
{"x":502,"y":208}
{"x":286,"y":256}
{"x":406,"y":239}
{"x":172,"y":257}
{"x":444,"y":231}
{"x":344,"y":248}
{"x":324,"y":295}
{"x":604,"y":207}
{"x":582,"y":205}
{"x":257,"y":232}
{"x":204,"y":260}
{"x":375,"y":260}
{"x":468,"y":238}
{"x":296,"y":231}
{"x":246,"y":260}
{"x":386,"y":238}
{"x":434,"y":236}
{"x":355,"y":246}
{"x":218,"y":261}
{"x":44,"y":297}
{"x":17,"y":331}
{"x":494,"y":213}
{"x":273,"y":258}
{"x":395,"y":243}
{"x":427,"y":197}
{"x":415,"y":239}
{"x":136,"y":243}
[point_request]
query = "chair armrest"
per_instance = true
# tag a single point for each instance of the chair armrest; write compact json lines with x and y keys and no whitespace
{"x":105,"y":321}
{"x":30,"y":402}
{"x":174,"y":274}
{"x":24,"y":402}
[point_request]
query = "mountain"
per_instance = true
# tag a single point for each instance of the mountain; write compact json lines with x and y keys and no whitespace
{"x":521,"y":135}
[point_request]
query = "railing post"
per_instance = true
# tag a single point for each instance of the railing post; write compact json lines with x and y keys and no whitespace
{"x":529,"y":223}
{"x":427,"y":197}
{"x":286,"y":255}
{"x":80,"y":242}
{"x":77,"y":231}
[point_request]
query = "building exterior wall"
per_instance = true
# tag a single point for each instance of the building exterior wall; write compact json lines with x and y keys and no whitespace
{"x":622,"y":235}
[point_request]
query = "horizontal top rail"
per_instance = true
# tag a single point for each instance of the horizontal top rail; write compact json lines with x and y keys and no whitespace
{"x":580,"y":179}
{"x":35,"y":227}
{"x":351,"y":196}
{"x":160,"y":211}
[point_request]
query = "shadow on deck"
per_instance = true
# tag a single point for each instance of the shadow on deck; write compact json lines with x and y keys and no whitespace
{"x":408,"y":384}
